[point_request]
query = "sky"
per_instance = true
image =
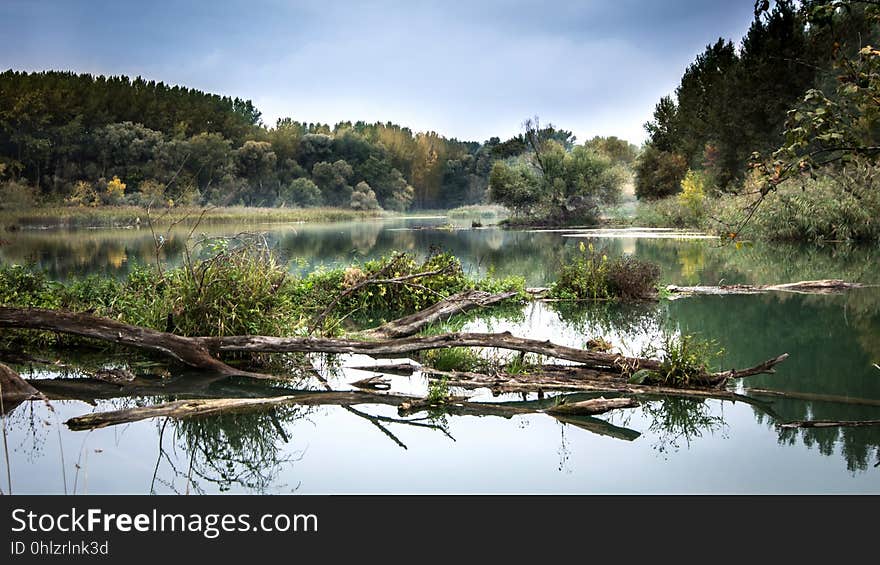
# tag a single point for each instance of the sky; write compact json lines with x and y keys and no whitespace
{"x":469,"y":70}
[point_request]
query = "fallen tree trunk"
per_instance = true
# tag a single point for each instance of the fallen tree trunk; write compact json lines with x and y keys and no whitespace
{"x":829,"y":424}
{"x":568,"y":378}
{"x":196,"y":351}
{"x":591,"y":407}
{"x":14,"y":390}
{"x":182,"y":409}
{"x":825,"y":286}
{"x":404,"y":346}
{"x":183,"y":349}
{"x":814,"y":397}
{"x":206,"y":407}
{"x":441,"y":311}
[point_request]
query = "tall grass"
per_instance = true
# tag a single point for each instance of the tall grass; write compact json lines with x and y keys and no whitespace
{"x":593,"y":276}
{"x":239,"y":287}
{"x":123,"y":216}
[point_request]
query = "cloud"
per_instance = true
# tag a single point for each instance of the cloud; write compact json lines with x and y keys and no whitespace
{"x":465,"y":69}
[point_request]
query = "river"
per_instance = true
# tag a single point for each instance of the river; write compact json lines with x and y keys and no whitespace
{"x":664,"y":446}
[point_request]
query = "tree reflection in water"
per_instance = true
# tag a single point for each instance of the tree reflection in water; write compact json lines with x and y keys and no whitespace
{"x":243,"y":449}
{"x":680,"y":420}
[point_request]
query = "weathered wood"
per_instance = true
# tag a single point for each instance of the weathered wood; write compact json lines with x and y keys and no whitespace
{"x":829,"y":424}
{"x":405,"y":369}
{"x":599,"y":427}
{"x":196,"y":351}
{"x":552,"y":377}
{"x":15,"y":388}
{"x":814,"y":397}
{"x":408,"y":345}
{"x":205,"y":407}
{"x":182,"y":349}
{"x":377,"y":382}
{"x":592,"y":407}
{"x":826,"y":286}
{"x":443,"y":310}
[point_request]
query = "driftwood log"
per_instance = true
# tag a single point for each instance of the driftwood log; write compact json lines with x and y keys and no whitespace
{"x":197,"y":351}
{"x":829,"y":424}
{"x":182,"y":349}
{"x":439,"y":312}
{"x":591,"y":407}
{"x":825,"y":286}
{"x":14,"y":390}
{"x":182,"y":409}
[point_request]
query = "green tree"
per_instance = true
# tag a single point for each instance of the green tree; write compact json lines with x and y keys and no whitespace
{"x":363,"y":198}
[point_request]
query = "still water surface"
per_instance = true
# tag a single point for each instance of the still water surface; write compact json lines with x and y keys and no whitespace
{"x":665,"y":446}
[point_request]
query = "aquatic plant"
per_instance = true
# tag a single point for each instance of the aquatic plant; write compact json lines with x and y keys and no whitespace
{"x":591,"y":275}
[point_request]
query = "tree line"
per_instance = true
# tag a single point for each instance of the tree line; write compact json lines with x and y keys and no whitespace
{"x":92,"y":140}
{"x":736,"y":106}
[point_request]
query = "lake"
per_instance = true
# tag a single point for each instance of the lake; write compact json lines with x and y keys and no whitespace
{"x":667,"y":445}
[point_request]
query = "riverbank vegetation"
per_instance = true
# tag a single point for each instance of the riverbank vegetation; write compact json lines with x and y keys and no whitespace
{"x":793,"y":159}
{"x":241,"y":288}
{"x":137,"y":216}
{"x":591,"y":275}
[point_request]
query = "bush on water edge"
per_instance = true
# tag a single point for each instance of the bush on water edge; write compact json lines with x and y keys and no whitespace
{"x":593,"y":276}
{"x":839,"y":206}
{"x":244,"y":289}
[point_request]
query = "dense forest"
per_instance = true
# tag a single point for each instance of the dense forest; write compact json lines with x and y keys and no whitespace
{"x":93,"y":140}
{"x":737,"y":103}
{"x":779,"y":136}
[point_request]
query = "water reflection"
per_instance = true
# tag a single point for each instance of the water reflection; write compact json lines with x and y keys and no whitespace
{"x":243,"y":450}
{"x":833,"y":342}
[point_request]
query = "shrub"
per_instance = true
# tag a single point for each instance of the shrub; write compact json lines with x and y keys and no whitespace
{"x":683,"y":360}
{"x":115,"y":190}
{"x":592,"y":276}
{"x":666,"y":213}
{"x":151,"y":193}
{"x":632,"y":279}
{"x":84,"y":194}
{"x":585,"y":277}
{"x":659,"y":173}
{"x":363,"y":197}
{"x":841,"y":205}
{"x":693,"y":194}
{"x":238,"y":290}
{"x":17,"y":196}
{"x":301,"y":192}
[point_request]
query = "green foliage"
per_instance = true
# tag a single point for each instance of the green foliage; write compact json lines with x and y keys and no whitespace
{"x":667,"y":213}
{"x":684,"y":359}
{"x":455,"y":359}
{"x":363,"y":198}
{"x":26,"y":287}
{"x":556,"y":182}
{"x":584,"y":278}
{"x":238,"y":290}
{"x":836,"y":206}
{"x":592,"y":276}
{"x":777,"y":93}
{"x":301,"y":192}
{"x":659,"y":173}
{"x":241,"y":288}
{"x":438,"y":391}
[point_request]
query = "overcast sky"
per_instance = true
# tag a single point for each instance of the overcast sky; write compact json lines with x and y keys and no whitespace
{"x":469,"y":70}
